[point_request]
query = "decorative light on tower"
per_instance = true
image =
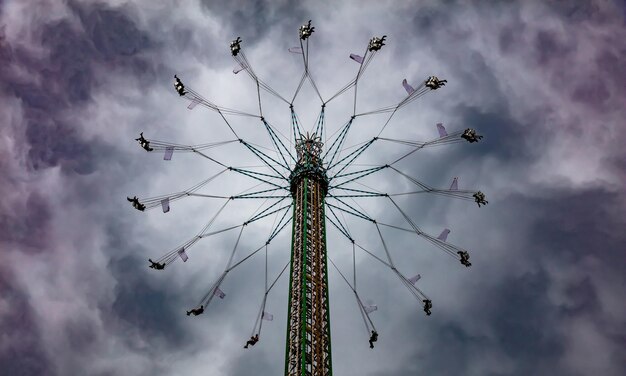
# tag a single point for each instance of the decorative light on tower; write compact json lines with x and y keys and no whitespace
{"x":316,"y":178}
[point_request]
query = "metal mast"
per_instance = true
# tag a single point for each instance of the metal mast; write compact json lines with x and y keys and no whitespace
{"x":308,"y":351}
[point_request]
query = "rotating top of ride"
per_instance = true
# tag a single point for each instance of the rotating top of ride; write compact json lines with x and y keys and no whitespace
{"x":310,"y":163}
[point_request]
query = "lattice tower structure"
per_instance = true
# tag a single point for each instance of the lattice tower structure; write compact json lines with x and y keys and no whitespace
{"x":308,"y":349}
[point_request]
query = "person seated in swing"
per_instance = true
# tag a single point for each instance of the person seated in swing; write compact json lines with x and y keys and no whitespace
{"x":470,"y":135}
{"x":373,"y":338}
{"x":178,"y":85}
{"x":306,"y":30}
{"x":428,"y":304}
{"x":235,"y":46}
{"x":479,"y":198}
{"x":143,"y":142}
{"x":464,"y":258}
{"x":376,"y":43}
{"x":156,"y":265}
{"x":252,"y":341}
{"x":434,"y":83}
{"x":196,"y":311}
{"x":136,"y":204}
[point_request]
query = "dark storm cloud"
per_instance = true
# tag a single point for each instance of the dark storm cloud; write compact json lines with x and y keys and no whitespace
{"x":56,"y":142}
{"x":548,"y":46}
{"x":112,"y":32}
{"x":570,"y":226}
{"x":255,"y":19}
{"x":145,"y":306}
{"x":509,"y":323}
{"x":525,"y":323}
{"x":429,"y":18}
{"x":597,"y":90}
{"x":69,"y":63}
{"x":577,"y":11}
{"x":504,"y":136}
{"x":21,"y":348}
{"x":510,"y":36}
{"x":527,"y":326}
{"x":61,"y":81}
{"x":254,"y":361}
{"x":67,"y":80}
{"x":81,"y":335}
{"x":110,"y":38}
{"x":554,"y":55}
{"x":505,"y":139}
{"x":574,"y":224}
{"x":31,"y":227}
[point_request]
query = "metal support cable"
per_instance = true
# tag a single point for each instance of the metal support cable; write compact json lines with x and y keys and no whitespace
{"x":257,"y":152}
{"x":365,"y":173}
{"x":365,"y":193}
{"x":362,"y":216}
{"x":355,"y":154}
{"x":448,"y":248}
{"x":252,"y":174}
{"x":298,"y":88}
{"x":279,"y":223}
{"x":354,"y":209}
{"x":461,"y":194}
{"x":267,"y":242}
{"x":277,"y":141}
{"x":270,"y":213}
{"x":373,"y":169}
{"x":259,"y":215}
{"x":339,"y":228}
{"x":356,"y":294}
{"x":373,"y":255}
{"x":267,"y":290}
{"x":340,"y":139}
{"x":156,"y":201}
{"x":362,"y":66}
{"x":257,"y":192}
{"x":280,"y":228}
{"x":295,"y":124}
{"x":243,"y":61}
{"x":344,"y":228}
{"x":382,"y":240}
{"x":232,"y":255}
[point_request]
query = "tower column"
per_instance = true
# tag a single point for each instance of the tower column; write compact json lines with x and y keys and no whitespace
{"x":308,"y":326}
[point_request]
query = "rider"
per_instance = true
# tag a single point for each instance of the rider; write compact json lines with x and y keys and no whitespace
{"x":306,"y":30}
{"x":156,"y":265}
{"x":136,"y":204}
{"x":479,"y":198}
{"x":178,"y":85}
{"x":464,"y":258}
{"x":235,"y":46}
{"x":434,"y":83}
{"x":376,"y":43}
{"x":196,"y":311}
{"x":373,"y":338}
{"x":143,"y":142}
{"x":470,"y":135}
{"x":428,"y":304}
{"x":252,"y":341}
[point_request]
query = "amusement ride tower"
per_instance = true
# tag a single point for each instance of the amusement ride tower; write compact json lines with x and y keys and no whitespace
{"x":308,"y":320}
{"x":315,"y":178}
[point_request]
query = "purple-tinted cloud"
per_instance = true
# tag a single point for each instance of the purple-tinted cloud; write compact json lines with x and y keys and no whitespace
{"x":544,"y":82}
{"x":21,"y":350}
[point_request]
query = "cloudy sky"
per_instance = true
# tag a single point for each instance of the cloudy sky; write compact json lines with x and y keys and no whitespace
{"x":544,"y":82}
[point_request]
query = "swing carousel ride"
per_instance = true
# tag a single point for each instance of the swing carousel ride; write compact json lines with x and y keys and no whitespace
{"x":318,"y":184}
